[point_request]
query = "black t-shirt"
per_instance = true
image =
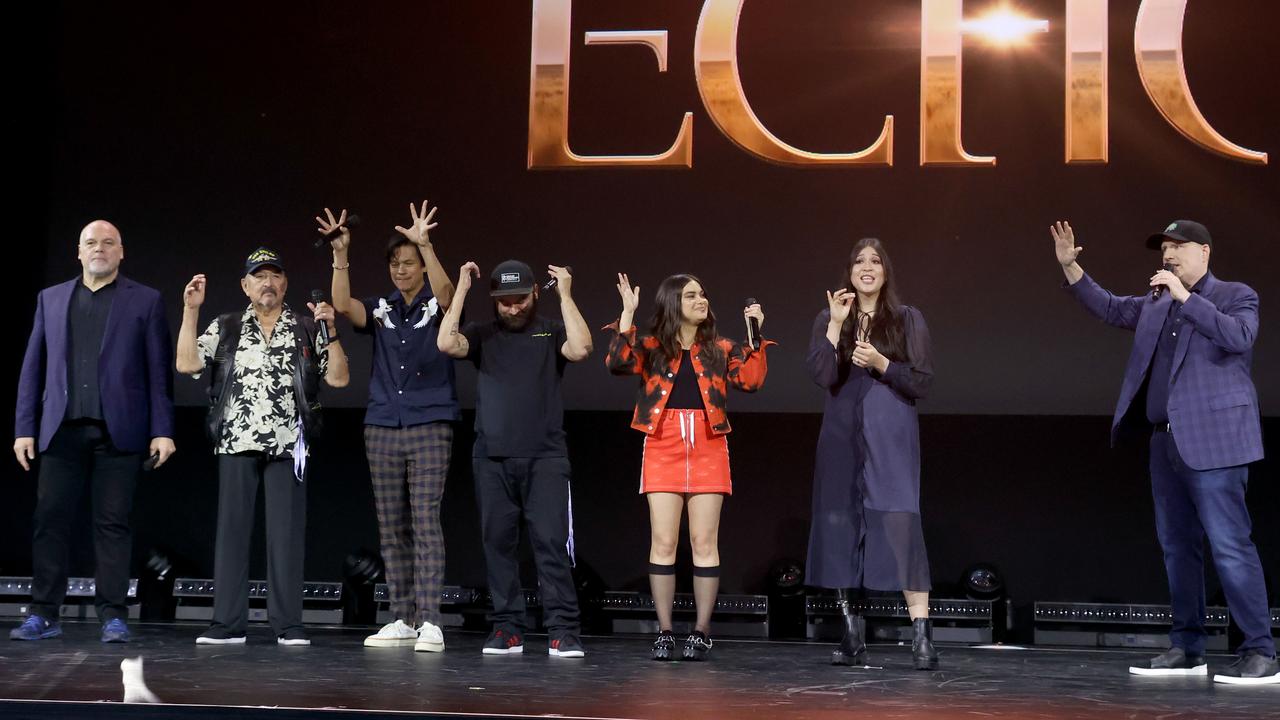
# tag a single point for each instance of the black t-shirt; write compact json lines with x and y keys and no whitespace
{"x":685,"y":394}
{"x":519,"y":409}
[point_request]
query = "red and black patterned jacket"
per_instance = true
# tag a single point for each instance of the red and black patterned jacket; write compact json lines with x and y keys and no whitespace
{"x":739,"y":366}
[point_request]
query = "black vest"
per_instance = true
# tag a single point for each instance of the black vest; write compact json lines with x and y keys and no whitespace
{"x":306,"y":376}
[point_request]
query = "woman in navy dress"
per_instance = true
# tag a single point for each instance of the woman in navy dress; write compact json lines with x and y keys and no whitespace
{"x":871,"y":354}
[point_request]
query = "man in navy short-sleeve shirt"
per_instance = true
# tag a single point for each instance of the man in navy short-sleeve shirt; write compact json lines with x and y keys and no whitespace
{"x":408,"y":427}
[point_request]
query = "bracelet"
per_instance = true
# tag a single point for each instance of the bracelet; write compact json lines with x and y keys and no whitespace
{"x":341,"y":267}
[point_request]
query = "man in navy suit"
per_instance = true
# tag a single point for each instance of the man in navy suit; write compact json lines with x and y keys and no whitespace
{"x":94,"y":397}
{"x":1188,"y":374}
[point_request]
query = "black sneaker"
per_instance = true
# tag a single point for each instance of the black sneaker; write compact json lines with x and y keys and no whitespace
{"x":1174,"y":662}
{"x":664,"y":648}
{"x":1252,"y":668}
{"x":566,"y":646}
{"x":697,"y":646}
{"x":503,"y":642}
{"x":219,"y":636}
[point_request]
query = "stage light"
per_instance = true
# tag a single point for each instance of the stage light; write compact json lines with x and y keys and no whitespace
{"x":360,"y":571}
{"x":786,"y":578}
{"x":983,"y":581}
{"x":362,"y":567}
{"x":1004,"y":27}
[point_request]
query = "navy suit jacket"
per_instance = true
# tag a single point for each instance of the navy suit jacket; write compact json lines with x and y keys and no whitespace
{"x":135,"y":368}
{"x":1213,"y":406}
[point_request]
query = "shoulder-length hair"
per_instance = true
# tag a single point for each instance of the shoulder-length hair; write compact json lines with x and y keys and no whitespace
{"x":667,"y":318}
{"x":887,"y":330}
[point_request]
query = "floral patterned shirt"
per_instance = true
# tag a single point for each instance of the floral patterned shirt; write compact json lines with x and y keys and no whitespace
{"x":261,"y":413}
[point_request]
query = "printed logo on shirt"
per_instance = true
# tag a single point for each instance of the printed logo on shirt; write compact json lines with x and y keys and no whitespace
{"x":541,"y":334}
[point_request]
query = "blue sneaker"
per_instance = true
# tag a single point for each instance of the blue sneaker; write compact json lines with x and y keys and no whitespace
{"x":36,"y":628}
{"x":115,"y":631}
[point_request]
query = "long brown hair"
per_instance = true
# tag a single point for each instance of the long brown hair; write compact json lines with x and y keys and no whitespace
{"x":887,"y":332}
{"x":667,"y":318}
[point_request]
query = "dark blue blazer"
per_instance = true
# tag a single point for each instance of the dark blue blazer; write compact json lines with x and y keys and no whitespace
{"x":1213,"y":406}
{"x":135,"y":368}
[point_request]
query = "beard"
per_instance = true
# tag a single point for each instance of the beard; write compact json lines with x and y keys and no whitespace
{"x":517,"y":322}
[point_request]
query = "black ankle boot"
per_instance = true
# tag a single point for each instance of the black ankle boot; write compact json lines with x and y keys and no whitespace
{"x":922,"y":650}
{"x":851,"y":650}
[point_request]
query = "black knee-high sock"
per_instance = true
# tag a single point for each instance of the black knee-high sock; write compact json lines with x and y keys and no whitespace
{"x":706,"y":584}
{"x":662,"y":585}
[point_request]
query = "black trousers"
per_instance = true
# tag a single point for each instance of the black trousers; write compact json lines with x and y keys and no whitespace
{"x":535,"y":491}
{"x":80,"y":455}
{"x":286,"y":518}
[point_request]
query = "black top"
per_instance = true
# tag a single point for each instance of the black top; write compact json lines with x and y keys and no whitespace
{"x":519,"y":410}
{"x":86,"y":328}
{"x":1162,"y":361}
{"x":685,"y":394}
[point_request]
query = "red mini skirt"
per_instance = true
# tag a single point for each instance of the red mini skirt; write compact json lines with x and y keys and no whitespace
{"x":684,"y":456}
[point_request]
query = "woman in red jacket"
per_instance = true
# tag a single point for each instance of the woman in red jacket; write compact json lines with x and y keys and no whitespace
{"x":685,"y":371}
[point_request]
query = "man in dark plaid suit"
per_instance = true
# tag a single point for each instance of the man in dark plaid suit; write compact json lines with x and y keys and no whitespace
{"x":1189,"y":370}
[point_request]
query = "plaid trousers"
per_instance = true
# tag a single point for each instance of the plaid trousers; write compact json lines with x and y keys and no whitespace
{"x":408,"y":467}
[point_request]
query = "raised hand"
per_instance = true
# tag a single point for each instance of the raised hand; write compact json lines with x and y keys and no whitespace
{"x":329,"y":223}
{"x":841,"y":304}
{"x":418,"y":231}
{"x":630,"y":295}
{"x":193,"y":293}
{"x":323,"y":312}
{"x":1172,"y":283}
{"x":753,"y":311}
{"x":564,"y":281}
{"x":1064,"y":242}
{"x":468,"y":271}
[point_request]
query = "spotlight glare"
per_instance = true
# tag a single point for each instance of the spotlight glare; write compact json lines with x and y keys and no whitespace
{"x":1004,"y":27}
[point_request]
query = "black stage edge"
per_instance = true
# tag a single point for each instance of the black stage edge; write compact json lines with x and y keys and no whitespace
{"x":78,"y":677}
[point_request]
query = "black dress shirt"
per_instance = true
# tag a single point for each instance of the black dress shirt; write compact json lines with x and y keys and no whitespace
{"x":86,"y":329}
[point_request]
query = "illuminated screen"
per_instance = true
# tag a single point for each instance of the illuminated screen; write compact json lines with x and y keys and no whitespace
{"x":205,"y":130}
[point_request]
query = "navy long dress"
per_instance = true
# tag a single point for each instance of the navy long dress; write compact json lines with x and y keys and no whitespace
{"x":866,"y":487}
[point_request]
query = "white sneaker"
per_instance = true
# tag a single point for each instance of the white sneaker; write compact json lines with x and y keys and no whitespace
{"x":430,"y":639}
{"x":396,"y":634}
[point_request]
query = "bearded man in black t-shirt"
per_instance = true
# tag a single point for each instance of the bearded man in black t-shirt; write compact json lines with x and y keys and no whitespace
{"x":520,"y":461}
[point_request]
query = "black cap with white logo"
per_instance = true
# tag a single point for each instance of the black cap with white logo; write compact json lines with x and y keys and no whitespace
{"x":511,"y":277}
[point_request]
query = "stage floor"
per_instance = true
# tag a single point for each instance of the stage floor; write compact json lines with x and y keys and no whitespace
{"x":78,"y":677}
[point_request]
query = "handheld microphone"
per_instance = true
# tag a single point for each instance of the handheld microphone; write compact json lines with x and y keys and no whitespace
{"x":554,"y":281}
{"x":322,"y":327}
{"x":1155,"y":294}
{"x":753,"y":327}
{"x":352,"y":221}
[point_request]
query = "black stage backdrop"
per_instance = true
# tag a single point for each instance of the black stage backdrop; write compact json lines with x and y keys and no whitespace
{"x":203,"y":131}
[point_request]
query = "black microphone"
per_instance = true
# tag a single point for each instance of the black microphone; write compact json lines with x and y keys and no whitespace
{"x":317,"y":297}
{"x":1155,"y":294}
{"x":352,"y":221}
{"x":753,"y":327}
{"x":554,"y":281}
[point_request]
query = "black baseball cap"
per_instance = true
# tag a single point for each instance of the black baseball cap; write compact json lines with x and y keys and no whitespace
{"x":1181,"y":231}
{"x":260,"y":258}
{"x":511,"y":277}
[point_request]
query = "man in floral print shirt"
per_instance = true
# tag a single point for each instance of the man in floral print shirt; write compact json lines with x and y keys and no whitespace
{"x":261,"y":435}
